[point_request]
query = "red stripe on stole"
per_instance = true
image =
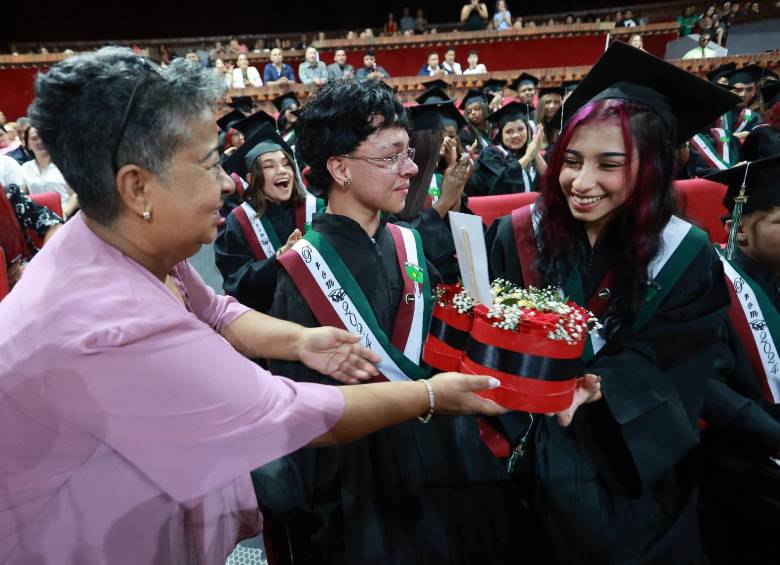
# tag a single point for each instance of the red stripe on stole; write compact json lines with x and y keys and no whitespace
{"x":405,"y":313}
{"x":249,"y":233}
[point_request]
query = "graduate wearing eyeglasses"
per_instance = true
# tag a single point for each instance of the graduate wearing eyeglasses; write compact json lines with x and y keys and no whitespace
{"x":420,"y":492}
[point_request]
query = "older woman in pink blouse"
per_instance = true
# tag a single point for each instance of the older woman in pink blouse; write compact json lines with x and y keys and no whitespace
{"x":130,"y":413}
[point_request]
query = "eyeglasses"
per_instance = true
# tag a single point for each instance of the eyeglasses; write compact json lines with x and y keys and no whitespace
{"x":393,"y":164}
{"x":148,"y":73}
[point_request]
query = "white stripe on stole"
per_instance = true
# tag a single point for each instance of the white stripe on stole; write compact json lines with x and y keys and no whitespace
{"x":259,"y":229}
{"x":765,"y":345}
{"x":722,"y":137}
{"x":433,"y":184}
{"x":311,"y":208}
{"x":414,"y":342}
{"x":345,"y":309}
{"x":698,"y":142}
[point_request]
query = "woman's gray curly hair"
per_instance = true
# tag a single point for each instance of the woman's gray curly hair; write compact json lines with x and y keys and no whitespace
{"x":80,"y":105}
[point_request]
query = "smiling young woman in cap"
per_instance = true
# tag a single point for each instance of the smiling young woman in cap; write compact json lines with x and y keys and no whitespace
{"x":619,"y":485}
{"x":275,"y":213}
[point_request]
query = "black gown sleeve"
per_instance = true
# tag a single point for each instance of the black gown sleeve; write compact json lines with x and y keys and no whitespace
{"x":495,"y":174}
{"x":654,"y":381}
{"x":502,"y":251}
{"x":251,"y":281}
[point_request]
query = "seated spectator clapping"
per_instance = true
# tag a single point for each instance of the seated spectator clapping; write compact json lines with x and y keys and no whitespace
{"x":432,"y":67}
{"x":340,"y":68}
{"x":312,"y":70}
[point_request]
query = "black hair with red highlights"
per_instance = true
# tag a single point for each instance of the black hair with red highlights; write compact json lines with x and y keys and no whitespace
{"x":637,"y":224}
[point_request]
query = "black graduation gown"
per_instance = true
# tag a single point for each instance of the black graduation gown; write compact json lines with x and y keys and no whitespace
{"x":740,"y":506}
{"x":619,"y":485}
{"x":410,"y":494}
{"x":496,"y":172}
{"x":251,"y":281}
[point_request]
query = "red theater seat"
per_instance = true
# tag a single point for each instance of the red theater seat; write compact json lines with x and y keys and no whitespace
{"x":50,"y":200}
{"x":3,"y":275}
{"x":701,"y":202}
{"x":491,"y":207}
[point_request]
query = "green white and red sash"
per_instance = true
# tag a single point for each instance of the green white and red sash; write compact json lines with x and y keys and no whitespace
{"x":336,"y":299}
{"x":746,"y":119}
{"x":260,"y":233}
{"x":711,"y":153}
{"x":756,"y":321}
{"x":680,"y":243}
{"x":289,"y":137}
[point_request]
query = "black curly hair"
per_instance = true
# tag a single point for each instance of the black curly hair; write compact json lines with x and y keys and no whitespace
{"x":338,"y":118}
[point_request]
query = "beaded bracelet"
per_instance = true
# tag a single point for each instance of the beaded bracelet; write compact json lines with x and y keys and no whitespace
{"x":431,"y":402}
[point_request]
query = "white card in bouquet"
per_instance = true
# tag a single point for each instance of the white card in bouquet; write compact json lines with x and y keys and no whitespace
{"x":469,"y":237}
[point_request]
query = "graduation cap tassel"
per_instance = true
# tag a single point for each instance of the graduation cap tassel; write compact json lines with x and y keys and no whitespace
{"x":736,"y":216}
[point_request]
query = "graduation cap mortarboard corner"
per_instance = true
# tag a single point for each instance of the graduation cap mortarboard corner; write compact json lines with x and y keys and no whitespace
{"x":436,"y":83}
{"x":230,"y":119}
{"x":252,"y":123}
{"x":523,"y":79}
{"x":685,"y":102}
{"x":436,"y":115}
{"x":559,"y":90}
{"x":509,"y":113}
{"x":264,"y":140}
{"x":746,"y":75}
{"x":771,"y":94}
{"x":721,"y":71}
{"x":243,"y":103}
{"x":569,"y":85}
{"x":432,"y":95}
{"x":472,"y":96}
{"x":493,"y":85}
{"x":285,"y":100}
{"x":762,"y":142}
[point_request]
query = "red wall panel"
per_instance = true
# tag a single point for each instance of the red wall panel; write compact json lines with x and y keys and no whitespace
{"x":16,"y":91}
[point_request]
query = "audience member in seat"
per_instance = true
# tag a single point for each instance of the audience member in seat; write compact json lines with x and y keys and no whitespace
{"x":475,"y":67}
{"x":244,"y":75}
{"x":370,"y":70}
{"x":131,"y":415}
{"x":420,"y":22}
{"x":514,"y":163}
{"x":339,"y":68}
{"x":432,"y":67}
{"x":406,"y":23}
{"x":474,"y":15}
{"x":450,"y":64}
{"x":41,"y":175}
{"x":312,"y":70}
{"x":18,"y":214}
{"x":502,"y":19}
{"x":12,"y":148}
{"x":10,"y":172}
{"x":277,"y":72}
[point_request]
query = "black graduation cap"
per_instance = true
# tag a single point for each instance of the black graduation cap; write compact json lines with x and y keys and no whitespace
{"x":243,"y":103}
{"x":436,"y":115}
{"x":230,"y":119}
{"x":771,"y":93}
{"x":436,"y":83}
{"x":263,"y":140}
{"x":471,"y":96}
{"x":746,"y":75}
{"x":431,"y":95}
{"x":251,"y":124}
{"x":569,"y":85}
{"x":752,"y":186}
{"x":285,"y":100}
{"x":721,"y":71}
{"x":770,"y":75}
{"x":552,"y":90}
{"x":762,"y":142}
{"x":493,"y":85}
{"x":522,"y":79}
{"x":685,"y":102}
{"x":509,"y":113}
